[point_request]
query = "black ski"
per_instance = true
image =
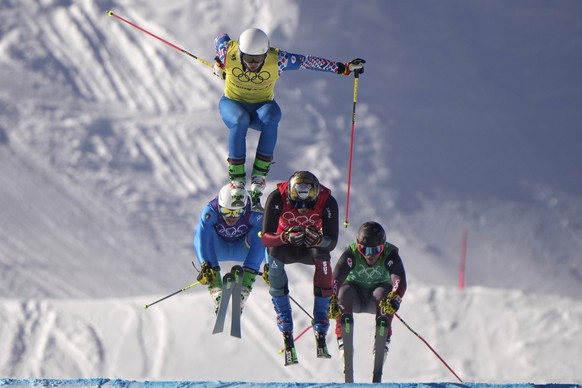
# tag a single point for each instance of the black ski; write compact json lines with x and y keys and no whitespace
{"x":290,"y":353}
{"x":228,"y":281}
{"x":235,"y":329}
{"x":347,"y":323}
{"x":379,"y":347}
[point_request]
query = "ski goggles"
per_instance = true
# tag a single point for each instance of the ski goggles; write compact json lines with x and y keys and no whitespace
{"x":370,"y":251}
{"x":253,"y":58}
{"x":231,"y":213}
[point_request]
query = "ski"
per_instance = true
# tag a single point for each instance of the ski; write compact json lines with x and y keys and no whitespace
{"x":347,"y":324}
{"x":379,"y":347}
{"x":227,"y":284}
{"x":235,"y":327}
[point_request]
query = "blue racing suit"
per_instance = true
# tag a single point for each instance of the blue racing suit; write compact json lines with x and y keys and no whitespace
{"x":215,"y":241}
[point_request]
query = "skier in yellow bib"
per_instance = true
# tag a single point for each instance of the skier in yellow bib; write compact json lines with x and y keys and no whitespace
{"x":250,"y":68}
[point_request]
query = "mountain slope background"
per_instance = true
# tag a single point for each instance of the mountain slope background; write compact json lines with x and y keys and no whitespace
{"x":111,"y":144}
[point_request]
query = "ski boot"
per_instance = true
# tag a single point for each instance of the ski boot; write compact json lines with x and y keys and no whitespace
{"x":386,"y":348}
{"x":236,"y":170}
{"x":340,"y":346}
{"x":258,"y":185}
{"x":247,"y":286}
{"x":216,"y":295}
{"x":321,"y":345}
{"x":259,"y":180}
{"x":290,"y":352}
{"x":245,"y":293}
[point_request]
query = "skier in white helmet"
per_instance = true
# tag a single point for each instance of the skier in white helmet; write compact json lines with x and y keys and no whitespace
{"x":228,"y":230}
{"x":250,"y":68}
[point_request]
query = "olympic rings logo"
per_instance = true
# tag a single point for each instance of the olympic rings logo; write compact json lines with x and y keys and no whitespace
{"x":231,"y":232}
{"x":302,"y":220}
{"x":371,"y":273}
{"x":249,"y":76}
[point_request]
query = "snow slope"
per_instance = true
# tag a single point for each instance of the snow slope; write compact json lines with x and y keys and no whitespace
{"x":111,"y":144}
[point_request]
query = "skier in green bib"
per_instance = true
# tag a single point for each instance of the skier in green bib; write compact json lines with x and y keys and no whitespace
{"x":369,"y":277}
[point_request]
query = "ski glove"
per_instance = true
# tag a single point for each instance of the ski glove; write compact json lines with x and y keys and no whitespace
{"x":266,"y":274}
{"x":294,"y":236}
{"x":313,"y":236}
{"x":334,"y":308}
{"x":391,"y":303}
{"x":219,"y":69}
{"x":356,"y":65}
{"x":207,"y":274}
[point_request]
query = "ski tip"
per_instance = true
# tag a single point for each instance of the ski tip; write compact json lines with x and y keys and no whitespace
{"x":346,"y":224}
{"x":145,"y":306}
{"x":110,"y":12}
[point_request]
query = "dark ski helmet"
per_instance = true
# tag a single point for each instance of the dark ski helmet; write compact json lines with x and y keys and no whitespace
{"x":303,"y":189}
{"x":371,"y":234}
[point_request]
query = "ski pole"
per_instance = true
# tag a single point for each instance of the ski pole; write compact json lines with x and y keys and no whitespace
{"x":306,"y":329}
{"x":301,"y":307}
{"x":356,"y":81}
{"x":111,"y":13}
{"x":430,"y":347}
{"x":172,"y":294}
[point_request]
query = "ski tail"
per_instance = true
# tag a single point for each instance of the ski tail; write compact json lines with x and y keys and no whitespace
{"x":380,"y":347}
{"x":347,"y":325}
{"x":228,"y":281}
{"x":235,"y":327}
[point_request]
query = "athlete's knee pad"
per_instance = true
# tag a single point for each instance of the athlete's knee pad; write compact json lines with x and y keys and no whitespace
{"x":323,"y":277}
{"x":277,"y":278}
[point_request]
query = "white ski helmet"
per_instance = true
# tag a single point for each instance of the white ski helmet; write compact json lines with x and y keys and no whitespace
{"x":253,"y":42}
{"x":227,"y":200}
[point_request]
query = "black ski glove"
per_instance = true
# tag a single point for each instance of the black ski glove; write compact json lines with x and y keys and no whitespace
{"x":207,"y":274}
{"x":294,"y":236}
{"x":391,"y":303}
{"x":334,"y":308}
{"x":266,"y":274}
{"x":355,"y":65}
{"x":313,"y":236}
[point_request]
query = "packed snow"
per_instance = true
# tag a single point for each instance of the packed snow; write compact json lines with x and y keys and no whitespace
{"x":111,"y":144}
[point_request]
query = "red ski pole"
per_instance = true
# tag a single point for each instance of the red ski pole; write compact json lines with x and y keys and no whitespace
{"x":111,"y":13}
{"x":298,"y":336}
{"x":356,"y":81}
{"x":430,"y":347}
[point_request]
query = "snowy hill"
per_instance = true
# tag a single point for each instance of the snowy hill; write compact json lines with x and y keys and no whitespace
{"x":111,"y":144}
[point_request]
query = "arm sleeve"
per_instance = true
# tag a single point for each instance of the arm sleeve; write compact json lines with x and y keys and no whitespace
{"x":342,"y":269}
{"x":330,"y":225}
{"x":273,"y":207}
{"x":290,"y":61}
{"x":220,"y":46}
{"x":397,"y":273}
{"x":204,"y":237}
